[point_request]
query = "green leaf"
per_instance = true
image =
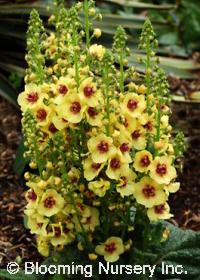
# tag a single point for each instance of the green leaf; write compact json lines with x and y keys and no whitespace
{"x":195,"y":95}
{"x":12,"y":68}
{"x":190,"y":15}
{"x":7,"y":91}
{"x":20,"y":162}
{"x":133,"y":21}
{"x":18,"y":276}
{"x":142,"y":5}
{"x":170,"y":38}
{"x":24,"y":9}
{"x":178,"y":67}
{"x":57,"y":277}
{"x":181,"y":98}
{"x":182,"y":248}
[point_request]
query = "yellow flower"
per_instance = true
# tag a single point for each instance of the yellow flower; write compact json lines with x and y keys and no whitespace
{"x":159,"y":212}
{"x":92,"y":221}
{"x":97,"y":33}
{"x":37,"y":224}
{"x":83,"y":209}
{"x":100,"y":148}
{"x":111,"y":249}
{"x":172,"y":187}
{"x":123,"y":141}
{"x":71,"y":109}
{"x":97,"y":51}
{"x":49,"y":129}
{"x":129,"y":124}
{"x":162,"y":145}
{"x":138,"y":137}
{"x":89,"y":220}
{"x":33,"y":195}
{"x":30,"y":97}
{"x":99,"y":187}
{"x":133,"y":105}
{"x":142,"y":89}
{"x":142,"y":161}
{"x":51,"y":203}
{"x":42,"y":114}
{"x":60,"y":234}
{"x":64,"y":86}
{"x":164,"y":121}
{"x":94,"y":117}
{"x":148,"y":122}
{"x":126,"y":184}
{"x":74,"y":175}
{"x":161,"y":170}
{"x":149,"y":193}
{"x":117,"y":166}
{"x":58,"y":122}
{"x":43,"y":246}
{"x":92,"y":257}
{"x":91,"y":169}
{"x":88,"y":92}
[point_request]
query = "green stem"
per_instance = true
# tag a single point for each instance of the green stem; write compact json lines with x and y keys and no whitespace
{"x":106,"y":80}
{"x":76,"y":58}
{"x":87,"y":241}
{"x":87,"y":29}
{"x":37,"y":156}
{"x":148,"y":77}
{"x":158,"y":122}
{"x":76,"y":69}
{"x":121,"y":72}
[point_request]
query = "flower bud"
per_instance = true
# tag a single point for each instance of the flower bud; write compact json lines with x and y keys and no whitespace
{"x":92,"y":257}
{"x":97,"y":33}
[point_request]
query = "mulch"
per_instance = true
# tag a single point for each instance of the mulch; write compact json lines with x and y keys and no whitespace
{"x":16,"y":243}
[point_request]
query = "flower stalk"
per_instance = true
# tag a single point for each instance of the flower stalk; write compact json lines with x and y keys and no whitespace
{"x":98,"y":140}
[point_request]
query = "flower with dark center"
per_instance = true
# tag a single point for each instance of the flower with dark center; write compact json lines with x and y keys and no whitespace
{"x":136,"y":134}
{"x":124,"y":147}
{"x":49,"y":202}
{"x":132,"y":104}
{"x":62,"y":89}
{"x":148,"y":126}
{"x":115,"y":163}
{"x":159,"y":209}
{"x":149,"y":191}
{"x":161,"y":169}
{"x":145,"y":161}
{"x":103,"y":147}
{"x":96,"y":166}
{"x":88,"y":91}
{"x":75,"y":107}
{"x":57,"y":231}
{"x":125,"y":182}
{"x":52,"y":128}
{"x":110,"y":247}
{"x":92,"y":112}
{"x":41,"y":114}
{"x":32,"y":195}
{"x":32,"y":97}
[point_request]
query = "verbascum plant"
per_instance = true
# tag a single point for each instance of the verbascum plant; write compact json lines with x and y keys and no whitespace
{"x":97,"y":135}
